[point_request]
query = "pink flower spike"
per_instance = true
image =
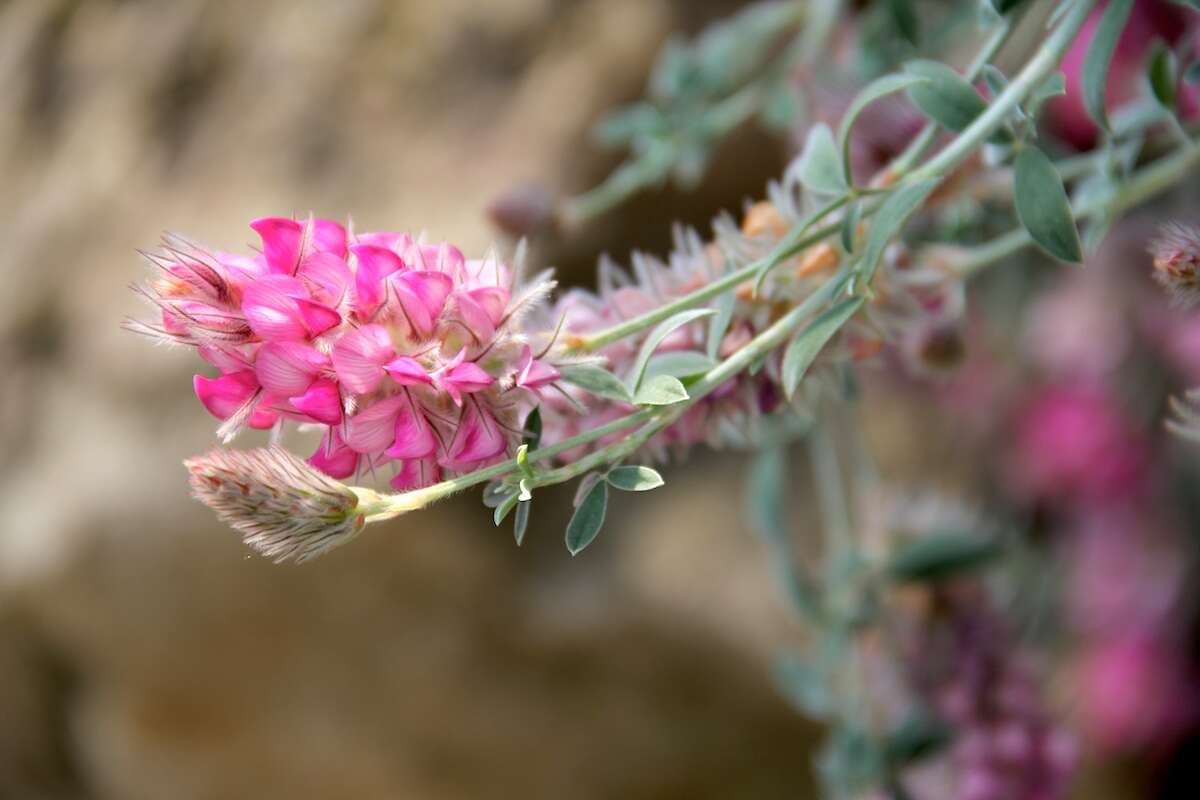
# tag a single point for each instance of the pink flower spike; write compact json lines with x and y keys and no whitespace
{"x":282,"y":239}
{"x":278,"y":309}
{"x":458,"y":378}
{"x":373,"y":429}
{"x":407,"y":371}
{"x":414,"y":439}
{"x":416,"y":474}
{"x":422,"y":295}
{"x":288,"y":368}
{"x":374,"y":264}
{"x":333,"y":457}
{"x":321,"y":402}
{"x":359,"y":356}
{"x":478,"y":438}
{"x":534,"y":374}
{"x":226,"y":395}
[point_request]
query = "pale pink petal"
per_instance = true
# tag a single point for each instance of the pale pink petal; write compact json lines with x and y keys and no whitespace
{"x":458,"y":378}
{"x":327,"y":277}
{"x":475,"y":317}
{"x":479,"y":437}
{"x":373,"y":429}
{"x":321,"y":402}
{"x":225,"y":395}
{"x":272,"y":311}
{"x":373,"y":265}
{"x":226,"y":359}
{"x":422,"y":295}
{"x":407,"y":371}
{"x":359,"y":356}
{"x":388,"y":240}
{"x":281,"y":239}
{"x":414,"y":439}
{"x":534,"y":374}
{"x":288,"y":368}
{"x":333,"y":457}
{"x":416,"y":474}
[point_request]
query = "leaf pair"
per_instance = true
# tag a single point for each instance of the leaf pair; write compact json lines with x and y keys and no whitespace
{"x":592,"y":506}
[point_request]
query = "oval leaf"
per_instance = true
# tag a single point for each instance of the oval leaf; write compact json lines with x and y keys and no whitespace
{"x":804,"y":348}
{"x":941,"y":556}
{"x":664,"y":329}
{"x":588,"y":518}
{"x":890,"y":218}
{"x":634,"y":479}
{"x":820,"y":166}
{"x":521,"y":521}
{"x":1099,"y":56}
{"x":945,"y":97}
{"x":502,"y":510}
{"x":661,"y":390}
{"x":596,"y":380}
{"x":682,"y":364}
{"x":1043,"y":207}
{"x":1163,"y":76}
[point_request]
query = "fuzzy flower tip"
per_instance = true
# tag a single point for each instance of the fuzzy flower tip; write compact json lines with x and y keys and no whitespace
{"x":284,"y":509}
{"x":406,"y":355}
{"x":1176,"y":253}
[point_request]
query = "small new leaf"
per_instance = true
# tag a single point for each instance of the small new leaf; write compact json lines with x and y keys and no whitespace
{"x":521,"y":521}
{"x":656,"y":337}
{"x":803,"y":350}
{"x":1099,"y":57}
{"x":588,"y":518}
{"x":1162,"y":74}
{"x":1043,"y":207}
{"x":820,"y":166}
{"x":634,"y":479}
{"x":940,"y":556}
{"x":661,"y":390}
{"x":596,"y":380}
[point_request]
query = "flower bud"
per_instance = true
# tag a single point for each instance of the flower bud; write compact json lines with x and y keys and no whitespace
{"x":1176,"y":254}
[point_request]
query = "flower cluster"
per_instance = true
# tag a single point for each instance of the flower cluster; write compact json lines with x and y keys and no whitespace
{"x":405,"y":354}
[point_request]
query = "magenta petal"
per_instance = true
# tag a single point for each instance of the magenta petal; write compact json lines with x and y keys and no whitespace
{"x":359,"y":356}
{"x":317,"y":317}
{"x":226,"y":359}
{"x":407,"y":371}
{"x":223,"y":396}
{"x":464,"y":378}
{"x":328,"y":236}
{"x":263,"y":416}
{"x":373,"y":429}
{"x":537,"y":374}
{"x":321,"y":402}
{"x":423,"y":296}
{"x":373,"y":265}
{"x":281,"y":239}
{"x":479,"y":437}
{"x":416,"y":474}
{"x":333,"y":457}
{"x":414,"y":439}
{"x":288,"y":368}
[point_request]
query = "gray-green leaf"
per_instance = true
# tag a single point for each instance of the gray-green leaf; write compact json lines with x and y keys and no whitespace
{"x":634,"y":479}
{"x":588,"y":518}
{"x":596,"y":380}
{"x":521,"y":521}
{"x":803,"y":350}
{"x":850,"y":227}
{"x":945,"y":97}
{"x":661,"y":390}
{"x":718,"y":325}
{"x":682,"y":364}
{"x":820,"y":166}
{"x":1042,"y":205}
{"x":502,"y":510}
{"x":890,"y":218}
{"x":656,"y":337}
{"x":1099,"y":56}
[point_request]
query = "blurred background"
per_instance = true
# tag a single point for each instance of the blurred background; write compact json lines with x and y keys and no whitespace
{"x":145,"y":654}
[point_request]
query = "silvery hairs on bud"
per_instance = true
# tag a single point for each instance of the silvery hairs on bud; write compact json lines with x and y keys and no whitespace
{"x":284,"y":509}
